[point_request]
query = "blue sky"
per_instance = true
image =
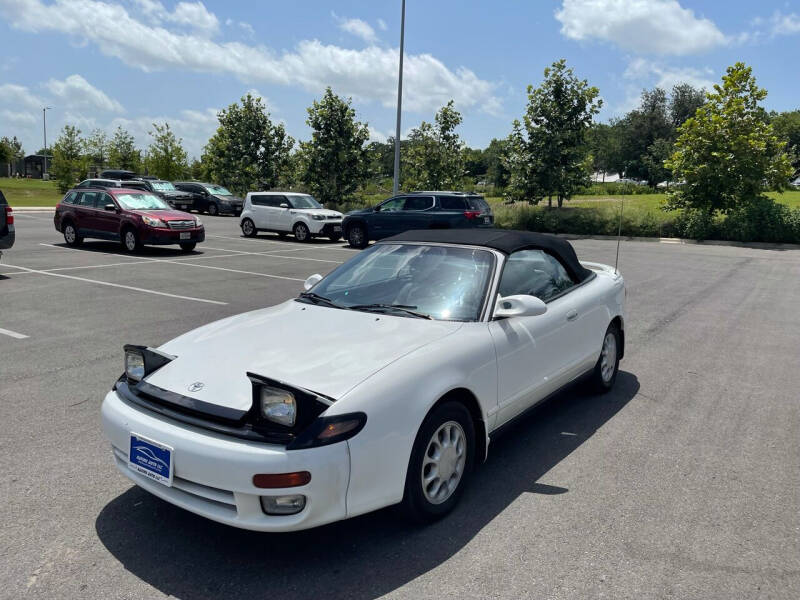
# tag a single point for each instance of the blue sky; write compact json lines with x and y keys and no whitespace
{"x":103,"y":63}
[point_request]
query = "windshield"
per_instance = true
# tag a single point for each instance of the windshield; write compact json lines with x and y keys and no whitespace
{"x":303,"y":202}
{"x":218,"y":190}
{"x":163,"y":186}
{"x":442,"y":282}
{"x":141,"y":202}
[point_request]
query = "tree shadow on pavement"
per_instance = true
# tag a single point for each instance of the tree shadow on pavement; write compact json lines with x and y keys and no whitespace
{"x":189,"y":557}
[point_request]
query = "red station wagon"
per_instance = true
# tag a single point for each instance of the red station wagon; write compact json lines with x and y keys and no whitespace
{"x":130,"y":216}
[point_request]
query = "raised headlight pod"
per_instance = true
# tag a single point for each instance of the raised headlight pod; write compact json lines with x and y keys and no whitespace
{"x":140,"y":361}
{"x":134,"y":364}
{"x":277,"y":405}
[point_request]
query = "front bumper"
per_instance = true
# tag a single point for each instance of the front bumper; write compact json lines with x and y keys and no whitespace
{"x":213,"y":474}
{"x":161,"y":237}
{"x":326,"y":228}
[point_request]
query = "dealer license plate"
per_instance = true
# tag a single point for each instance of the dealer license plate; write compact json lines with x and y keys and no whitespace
{"x":186,"y":235}
{"x":337,"y":228}
{"x":151,"y":459}
{"x":486,"y":220}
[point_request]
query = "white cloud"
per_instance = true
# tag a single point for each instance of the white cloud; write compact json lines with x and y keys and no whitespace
{"x":75,"y":91}
{"x":664,"y":76}
{"x":645,"y":26}
{"x":357,"y":27}
{"x":194,"y":127}
{"x":382,"y":25}
{"x":193,"y":15}
{"x":366,"y":74}
{"x":18,"y":96}
{"x":785,"y":24}
{"x":10,"y":117}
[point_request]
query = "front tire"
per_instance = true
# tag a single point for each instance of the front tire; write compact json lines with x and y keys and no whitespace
{"x":301,"y":233}
{"x":188,"y":246}
{"x":357,"y":236}
{"x":130,"y":240}
{"x":71,"y":235}
{"x":607,"y":366}
{"x":441,"y":462}
{"x":248,"y":228}
{"x":213,"y":209}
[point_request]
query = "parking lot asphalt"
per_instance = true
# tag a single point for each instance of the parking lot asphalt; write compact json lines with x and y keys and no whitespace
{"x":684,"y":482}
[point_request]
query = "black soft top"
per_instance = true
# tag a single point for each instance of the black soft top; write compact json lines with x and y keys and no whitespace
{"x":504,"y":240}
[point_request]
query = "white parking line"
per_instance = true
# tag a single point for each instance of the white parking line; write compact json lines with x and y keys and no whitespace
{"x":272,"y":253}
{"x":13,"y":334}
{"x":118,"y":285}
{"x":292,"y":244}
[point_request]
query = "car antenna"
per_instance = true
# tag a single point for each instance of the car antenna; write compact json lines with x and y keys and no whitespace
{"x":619,"y":229}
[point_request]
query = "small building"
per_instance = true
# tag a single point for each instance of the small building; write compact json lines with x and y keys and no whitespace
{"x":33,"y":165}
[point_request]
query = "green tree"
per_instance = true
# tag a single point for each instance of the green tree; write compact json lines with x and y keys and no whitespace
{"x":166,"y":157}
{"x":787,"y":127}
{"x":122,"y":151}
{"x":604,"y":144}
{"x":496,"y":170}
{"x":657,"y":154}
{"x":640,"y":129}
{"x":684,"y":102}
{"x":475,"y":163}
{"x":434,"y":159}
{"x":333,"y":163}
{"x":726,"y":153}
{"x":248,"y":151}
{"x":549,"y":154}
{"x":69,"y":163}
{"x":97,"y":148}
{"x":10,"y":151}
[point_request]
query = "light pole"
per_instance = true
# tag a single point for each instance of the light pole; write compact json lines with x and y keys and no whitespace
{"x":396,"y":185}
{"x":44,"y":129}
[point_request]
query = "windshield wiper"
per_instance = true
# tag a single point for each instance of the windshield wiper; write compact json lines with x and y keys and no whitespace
{"x":317,"y":299}
{"x":405,"y":308}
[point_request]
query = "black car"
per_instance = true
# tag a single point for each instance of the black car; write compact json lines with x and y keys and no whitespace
{"x":211,"y":198}
{"x":416,"y":210}
{"x":118,"y":174}
{"x":163,"y":189}
{"x":7,"y":234}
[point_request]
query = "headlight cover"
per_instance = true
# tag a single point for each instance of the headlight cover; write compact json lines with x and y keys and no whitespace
{"x":140,"y":361}
{"x":277,"y":405}
{"x":318,"y":217}
{"x":197,"y":222}
{"x":153,"y":222}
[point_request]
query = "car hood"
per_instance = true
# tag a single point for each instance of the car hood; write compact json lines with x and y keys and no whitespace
{"x":361,"y":211}
{"x":166,"y":215}
{"x":318,"y":211}
{"x":231,"y":199}
{"x":325,"y":350}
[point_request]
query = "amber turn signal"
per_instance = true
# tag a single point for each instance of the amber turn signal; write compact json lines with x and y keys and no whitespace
{"x":281,"y":480}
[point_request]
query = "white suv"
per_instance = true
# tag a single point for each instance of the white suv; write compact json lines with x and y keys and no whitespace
{"x":289,"y":212}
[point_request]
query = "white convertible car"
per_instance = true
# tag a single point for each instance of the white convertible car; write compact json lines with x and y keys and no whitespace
{"x":382,"y":383}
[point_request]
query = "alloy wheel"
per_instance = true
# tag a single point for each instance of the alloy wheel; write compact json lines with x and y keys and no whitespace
{"x":130,"y":240}
{"x":608,"y":357}
{"x":444,"y":462}
{"x":69,"y":234}
{"x":301,"y":233}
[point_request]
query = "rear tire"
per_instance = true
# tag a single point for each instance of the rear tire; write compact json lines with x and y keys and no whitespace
{"x":440,"y":464}
{"x":130,"y":240}
{"x":357,"y":236}
{"x":249,"y":228}
{"x":213,"y":209}
{"x":607,"y":367}
{"x":302,"y":233}
{"x":188,"y":246}
{"x":71,"y":235}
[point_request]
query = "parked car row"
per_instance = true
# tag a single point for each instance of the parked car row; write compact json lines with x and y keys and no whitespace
{"x":303,"y":216}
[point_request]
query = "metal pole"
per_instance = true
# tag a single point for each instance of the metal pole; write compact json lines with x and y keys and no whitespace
{"x":396,"y":185}
{"x":44,"y":128}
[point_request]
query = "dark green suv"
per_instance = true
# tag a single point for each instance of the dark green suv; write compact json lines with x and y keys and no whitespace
{"x":7,"y":234}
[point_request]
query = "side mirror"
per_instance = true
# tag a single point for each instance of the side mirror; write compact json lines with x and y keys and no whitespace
{"x":110,"y":207}
{"x":519,"y":305}
{"x":284,"y":205}
{"x":312,"y":281}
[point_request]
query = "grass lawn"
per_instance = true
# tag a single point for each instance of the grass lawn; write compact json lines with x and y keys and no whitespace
{"x":29,"y":192}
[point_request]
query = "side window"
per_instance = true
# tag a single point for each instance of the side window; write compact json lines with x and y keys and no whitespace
{"x":84,"y":184}
{"x":534,"y":273}
{"x":418,"y":203}
{"x":70,"y":198}
{"x":452,"y":203}
{"x":87,"y":199}
{"x":393,"y":204}
{"x":257,"y":200}
{"x":101,"y":200}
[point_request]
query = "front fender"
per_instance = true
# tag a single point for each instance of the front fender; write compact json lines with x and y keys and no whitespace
{"x":397,"y":399}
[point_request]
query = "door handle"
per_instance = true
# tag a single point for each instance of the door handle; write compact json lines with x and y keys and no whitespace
{"x":572,"y":315}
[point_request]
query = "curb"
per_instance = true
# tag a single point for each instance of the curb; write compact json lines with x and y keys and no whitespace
{"x":661,"y":240}
{"x":22,"y":209}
